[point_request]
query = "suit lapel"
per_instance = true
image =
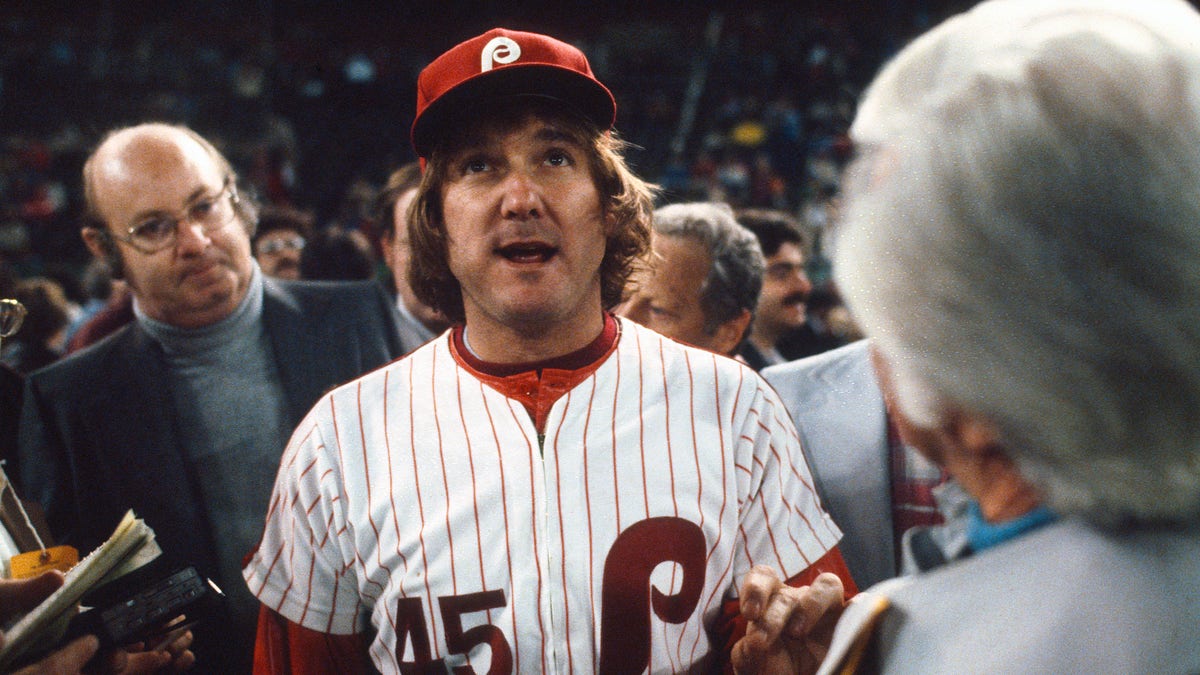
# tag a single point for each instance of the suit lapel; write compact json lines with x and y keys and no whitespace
{"x":144,"y":448}
{"x":141,"y":391}
{"x":294,"y":334}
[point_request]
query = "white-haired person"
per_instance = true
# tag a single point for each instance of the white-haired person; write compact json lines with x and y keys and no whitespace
{"x":1022,"y":244}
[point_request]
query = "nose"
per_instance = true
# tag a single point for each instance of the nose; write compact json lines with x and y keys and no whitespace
{"x":803,"y":283}
{"x":190,"y":236}
{"x":522,"y":197}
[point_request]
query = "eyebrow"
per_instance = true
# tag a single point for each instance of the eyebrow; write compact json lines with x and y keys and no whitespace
{"x":553,"y":133}
{"x":191,"y":199}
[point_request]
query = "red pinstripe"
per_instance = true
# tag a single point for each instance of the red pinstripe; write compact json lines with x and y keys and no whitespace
{"x":587,"y":502}
{"x":362,"y":439}
{"x":420,"y":500}
{"x":312,"y":564}
{"x":270,"y":571}
{"x":612,"y":442}
{"x":333,"y":611}
{"x":720,"y":515}
{"x":387,"y":445}
{"x":642,"y":424}
{"x":504,"y":510}
{"x":327,"y":529}
{"x":662,"y":362}
{"x":533,"y":508}
{"x":792,"y":465}
{"x":696,"y":449}
{"x":783,"y":495}
{"x":562,"y":540}
{"x":437,"y":423}
{"x":474,"y":490}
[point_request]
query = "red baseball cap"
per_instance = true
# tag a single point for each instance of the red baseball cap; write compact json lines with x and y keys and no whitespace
{"x":504,"y":63}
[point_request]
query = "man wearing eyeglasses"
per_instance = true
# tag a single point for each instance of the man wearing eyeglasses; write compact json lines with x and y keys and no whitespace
{"x":280,"y":237}
{"x":183,"y":414}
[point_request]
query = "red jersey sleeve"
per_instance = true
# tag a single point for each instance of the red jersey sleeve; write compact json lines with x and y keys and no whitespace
{"x":282,"y":647}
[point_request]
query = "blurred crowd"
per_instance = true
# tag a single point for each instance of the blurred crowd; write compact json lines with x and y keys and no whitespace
{"x":313,"y":104}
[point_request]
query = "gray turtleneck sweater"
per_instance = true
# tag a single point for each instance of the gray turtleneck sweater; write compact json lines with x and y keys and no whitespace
{"x":230,"y":405}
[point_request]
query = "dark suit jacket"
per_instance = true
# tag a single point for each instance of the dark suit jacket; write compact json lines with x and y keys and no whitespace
{"x":11,"y":383}
{"x":98,"y":436}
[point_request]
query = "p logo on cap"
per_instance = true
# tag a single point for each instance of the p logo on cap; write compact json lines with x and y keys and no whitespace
{"x":506,"y":63}
{"x":500,"y":50}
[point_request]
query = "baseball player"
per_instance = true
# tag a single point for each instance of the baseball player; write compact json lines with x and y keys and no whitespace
{"x":544,"y":487}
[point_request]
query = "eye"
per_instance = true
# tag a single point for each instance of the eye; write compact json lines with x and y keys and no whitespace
{"x":202,"y":208}
{"x":474,"y":165}
{"x":558,"y":158}
{"x":154,"y":229}
{"x":782,"y":272}
{"x":661,"y":313}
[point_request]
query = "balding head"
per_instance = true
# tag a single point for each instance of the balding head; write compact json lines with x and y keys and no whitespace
{"x":119,"y":156}
{"x":171,"y":178}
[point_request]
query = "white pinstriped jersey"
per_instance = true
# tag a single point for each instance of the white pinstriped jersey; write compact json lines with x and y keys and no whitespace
{"x":418,"y":501}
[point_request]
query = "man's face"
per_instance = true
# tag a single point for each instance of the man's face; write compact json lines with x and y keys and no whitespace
{"x":781,"y":304}
{"x":203,"y":276}
{"x":525,"y":229}
{"x":278,"y":253}
{"x":397,"y":253}
{"x":665,"y":291}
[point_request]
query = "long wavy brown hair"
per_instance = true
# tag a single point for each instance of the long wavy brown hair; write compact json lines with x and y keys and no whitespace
{"x":626,"y":199}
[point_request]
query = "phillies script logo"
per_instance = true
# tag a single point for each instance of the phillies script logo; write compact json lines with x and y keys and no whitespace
{"x":500,"y":50}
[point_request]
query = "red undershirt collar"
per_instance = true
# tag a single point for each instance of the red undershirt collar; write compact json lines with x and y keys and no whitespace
{"x":539,"y":384}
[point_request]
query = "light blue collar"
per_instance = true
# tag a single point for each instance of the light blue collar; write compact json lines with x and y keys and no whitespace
{"x":983,"y":535}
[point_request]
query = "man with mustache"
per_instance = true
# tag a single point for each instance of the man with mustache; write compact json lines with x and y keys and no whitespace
{"x":182,"y":414}
{"x":545,"y":487}
{"x":785,"y":288}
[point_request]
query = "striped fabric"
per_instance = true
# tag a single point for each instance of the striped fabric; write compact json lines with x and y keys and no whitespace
{"x":913,"y":481}
{"x":420,"y":502}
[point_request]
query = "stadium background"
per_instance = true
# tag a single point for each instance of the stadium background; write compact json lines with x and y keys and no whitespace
{"x":312,"y":99}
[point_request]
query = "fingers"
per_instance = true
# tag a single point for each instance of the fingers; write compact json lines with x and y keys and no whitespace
{"x":760,"y":584}
{"x":66,"y":661}
{"x":18,"y":596}
{"x":172,"y":653}
{"x":182,"y":657}
{"x":788,"y":628}
{"x":181,"y":643}
{"x":815,"y":602}
{"x":184,"y":661}
{"x":783,"y":610}
{"x":145,"y":662}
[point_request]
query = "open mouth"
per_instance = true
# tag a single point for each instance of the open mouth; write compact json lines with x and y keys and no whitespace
{"x":524,"y":253}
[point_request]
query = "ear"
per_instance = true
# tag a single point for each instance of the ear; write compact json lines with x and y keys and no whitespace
{"x":96,"y":243}
{"x":387,"y":240}
{"x":972,"y":435}
{"x":610,"y":224}
{"x":978,"y":461}
{"x":729,"y":334}
{"x":104,"y":247}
